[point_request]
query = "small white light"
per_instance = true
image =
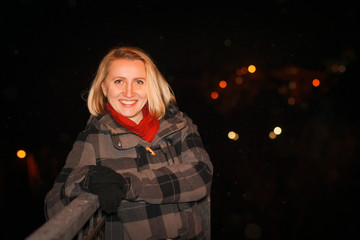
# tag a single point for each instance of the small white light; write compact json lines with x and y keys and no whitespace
{"x":277,"y":130}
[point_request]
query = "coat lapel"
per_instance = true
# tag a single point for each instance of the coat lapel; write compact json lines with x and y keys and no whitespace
{"x":123,"y":139}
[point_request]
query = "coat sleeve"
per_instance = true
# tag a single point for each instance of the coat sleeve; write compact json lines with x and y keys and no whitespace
{"x":189,"y":180}
{"x":66,"y":186}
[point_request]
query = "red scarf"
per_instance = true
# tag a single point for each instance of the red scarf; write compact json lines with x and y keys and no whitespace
{"x":147,"y":127}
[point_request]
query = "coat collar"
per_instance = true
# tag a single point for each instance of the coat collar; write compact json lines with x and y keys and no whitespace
{"x":124,"y":139}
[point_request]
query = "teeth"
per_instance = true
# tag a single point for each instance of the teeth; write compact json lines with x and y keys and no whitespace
{"x":129,"y":102}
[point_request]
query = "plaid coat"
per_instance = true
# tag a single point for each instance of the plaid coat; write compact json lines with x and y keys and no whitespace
{"x":165,"y":182}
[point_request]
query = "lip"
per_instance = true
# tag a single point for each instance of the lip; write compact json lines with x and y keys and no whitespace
{"x":128,"y":103}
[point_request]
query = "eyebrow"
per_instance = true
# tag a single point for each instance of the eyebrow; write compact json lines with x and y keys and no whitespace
{"x":135,"y":78}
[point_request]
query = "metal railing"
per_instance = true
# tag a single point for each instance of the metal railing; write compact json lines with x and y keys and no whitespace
{"x":205,"y":213}
{"x":82,"y":219}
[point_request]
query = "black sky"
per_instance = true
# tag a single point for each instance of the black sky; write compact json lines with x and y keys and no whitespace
{"x":50,"y":53}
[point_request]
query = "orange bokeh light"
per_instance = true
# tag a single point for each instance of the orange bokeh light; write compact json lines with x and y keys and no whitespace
{"x":239,"y":80}
{"x":241,"y":71}
{"x":21,"y":154}
{"x":272,"y":135}
{"x":223,"y":84}
{"x":214,"y":95}
{"x":316,"y":82}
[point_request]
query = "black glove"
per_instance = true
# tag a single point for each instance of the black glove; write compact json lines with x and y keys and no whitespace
{"x":108,"y":185}
{"x":101,"y":174}
{"x":110,"y":196}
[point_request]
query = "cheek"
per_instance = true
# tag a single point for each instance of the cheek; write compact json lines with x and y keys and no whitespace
{"x":108,"y":89}
{"x":113,"y":91}
{"x":142,"y":93}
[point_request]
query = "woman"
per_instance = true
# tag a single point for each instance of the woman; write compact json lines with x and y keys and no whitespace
{"x":143,"y":157}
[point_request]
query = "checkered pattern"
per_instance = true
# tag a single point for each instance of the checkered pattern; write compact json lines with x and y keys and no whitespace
{"x":164,"y":184}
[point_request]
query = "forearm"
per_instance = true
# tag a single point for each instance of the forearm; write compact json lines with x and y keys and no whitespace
{"x":178,"y":183}
{"x":67,"y":184}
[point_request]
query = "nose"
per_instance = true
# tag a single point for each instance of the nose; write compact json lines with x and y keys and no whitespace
{"x":129,"y":92}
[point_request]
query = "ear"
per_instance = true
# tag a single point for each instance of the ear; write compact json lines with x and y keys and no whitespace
{"x":104,"y":89}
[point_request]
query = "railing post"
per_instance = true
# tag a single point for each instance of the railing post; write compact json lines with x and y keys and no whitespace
{"x":205,"y":213}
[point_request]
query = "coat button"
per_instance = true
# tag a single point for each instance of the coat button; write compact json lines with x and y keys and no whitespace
{"x":119,"y":143}
{"x":150,"y":150}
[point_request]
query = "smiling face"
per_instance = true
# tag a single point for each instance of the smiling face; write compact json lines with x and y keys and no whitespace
{"x":125,"y":88}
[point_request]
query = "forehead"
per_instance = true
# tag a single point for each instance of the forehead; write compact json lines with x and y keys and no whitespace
{"x":123,"y":65}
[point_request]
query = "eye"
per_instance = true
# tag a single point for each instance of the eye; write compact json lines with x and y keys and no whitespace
{"x":118,"y":81}
{"x":139,"y":81}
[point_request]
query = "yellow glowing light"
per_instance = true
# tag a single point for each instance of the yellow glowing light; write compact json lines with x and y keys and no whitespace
{"x":21,"y":154}
{"x":316,"y":82}
{"x":233,"y":135}
{"x":223,"y":84}
{"x":272,"y":135}
{"x":277,"y":130}
{"x":251,"y":69}
{"x":214,"y":95}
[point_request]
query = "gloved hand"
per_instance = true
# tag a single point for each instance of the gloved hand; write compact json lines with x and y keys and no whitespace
{"x":109,"y":195}
{"x":100,"y":174}
{"x":108,"y":185}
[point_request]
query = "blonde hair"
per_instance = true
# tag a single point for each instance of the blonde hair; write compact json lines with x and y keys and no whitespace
{"x":159,"y":92}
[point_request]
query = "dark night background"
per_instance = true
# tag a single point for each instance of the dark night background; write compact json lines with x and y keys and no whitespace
{"x":301,"y":185}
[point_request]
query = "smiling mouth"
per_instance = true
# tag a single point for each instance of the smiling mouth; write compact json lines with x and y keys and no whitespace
{"x":128,"y":102}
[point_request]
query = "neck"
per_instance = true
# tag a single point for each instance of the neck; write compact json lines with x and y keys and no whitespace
{"x":137,"y":119}
{"x":145,"y":126}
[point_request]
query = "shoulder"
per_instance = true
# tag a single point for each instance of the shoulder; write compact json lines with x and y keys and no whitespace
{"x":171,"y":111}
{"x":174,"y":115}
{"x":94,"y":126}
